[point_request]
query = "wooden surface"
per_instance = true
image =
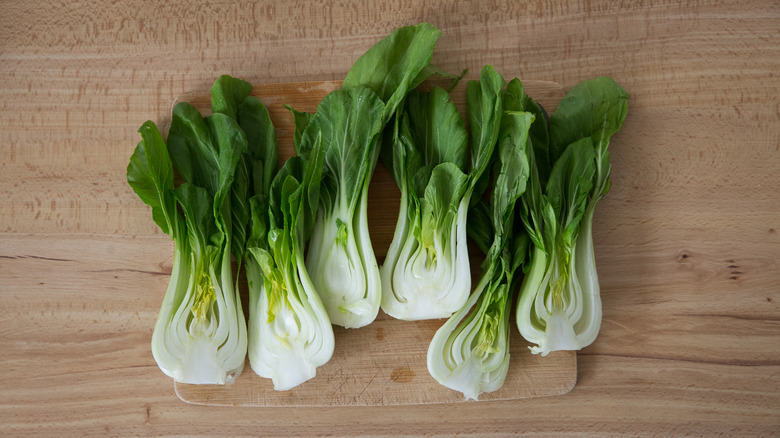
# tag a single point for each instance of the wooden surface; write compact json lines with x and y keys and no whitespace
{"x":385,"y":363}
{"x":687,"y":240}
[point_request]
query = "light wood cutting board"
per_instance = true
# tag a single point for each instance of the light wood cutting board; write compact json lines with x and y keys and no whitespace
{"x":385,"y":362}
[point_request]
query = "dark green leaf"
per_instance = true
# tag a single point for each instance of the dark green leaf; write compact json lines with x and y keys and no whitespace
{"x":227,"y":94}
{"x":301,"y":120}
{"x":521,"y":243}
{"x":239,"y":207}
{"x":394,"y":148}
{"x":312,"y":178}
{"x":195,"y":202}
{"x":262,"y":148}
{"x":395,"y":65}
{"x":596,"y":109}
{"x":438,"y":130}
{"x":484,"y":108}
{"x":348,"y":122}
{"x":570,"y":182}
{"x":539,"y":138}
{"x":480,"y":225}
{"x":512,"y":169}
{"x":229,"y":144}
{"x":150,"y":174}
{"x":258,"y":207}
{"x":191,"y":149}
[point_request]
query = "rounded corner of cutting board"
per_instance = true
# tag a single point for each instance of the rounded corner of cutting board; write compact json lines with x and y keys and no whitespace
{"x":569,"y":386}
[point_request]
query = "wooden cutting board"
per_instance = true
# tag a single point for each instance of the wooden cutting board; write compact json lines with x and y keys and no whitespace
{"x":385,"y":362}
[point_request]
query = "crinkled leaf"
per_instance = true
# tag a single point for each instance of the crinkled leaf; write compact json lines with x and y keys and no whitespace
{"x":291,"y":194}
{"x":533,"y":201}
{"x":396,"y":145}
{"x":230,"y":96}
{"x":292,"y":168}
{"x":230,"y":144}
{"x":206,"y":152}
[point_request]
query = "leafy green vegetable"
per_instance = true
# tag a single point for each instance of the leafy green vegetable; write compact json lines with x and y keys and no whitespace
{"x":349,"y":122}
{"x":200,"y":335}
{"x":427,"y":273}
{"x":470,"y":352}
{"x":289,"y":331}
{"x":560,"y":305}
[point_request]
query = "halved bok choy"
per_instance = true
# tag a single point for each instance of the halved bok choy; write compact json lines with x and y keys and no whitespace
{"x":470,"y":352}
{"x":560,"y":304}
{"x":290,"y":334}
{"x":200,"y":335}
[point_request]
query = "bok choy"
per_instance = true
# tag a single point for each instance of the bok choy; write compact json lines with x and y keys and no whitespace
{"x":560,"y":305}
{"x":200,"y":335}
{"x":289,"y":331}
{"x":426,"y":273}
{"x":470,"y":352}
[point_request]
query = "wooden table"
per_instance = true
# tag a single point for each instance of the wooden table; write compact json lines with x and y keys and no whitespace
{"x":687,"y":241}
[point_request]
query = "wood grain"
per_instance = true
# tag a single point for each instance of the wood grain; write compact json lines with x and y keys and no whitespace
{"x":684,"y":350}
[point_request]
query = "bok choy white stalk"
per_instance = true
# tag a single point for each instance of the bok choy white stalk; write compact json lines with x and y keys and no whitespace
{"x":470,"y":352}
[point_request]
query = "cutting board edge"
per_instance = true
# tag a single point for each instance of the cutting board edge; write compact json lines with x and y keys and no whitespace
{"x":564,"y":389}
